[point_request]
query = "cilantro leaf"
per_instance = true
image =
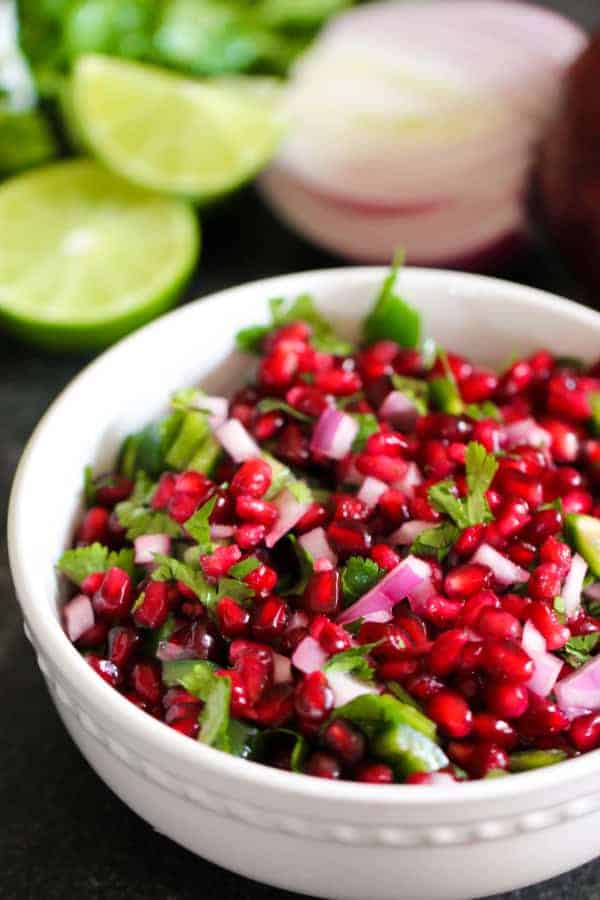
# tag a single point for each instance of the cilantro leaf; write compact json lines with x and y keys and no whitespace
{"x":353,"y":660}
{"x":244,"y":567}
{"x":302,"y":309}
{"x":485,"y":410}
{"x":391,"y":317}
{"x":367,"y":425}
{"x":195,"y":675}
{"x":198,"y":527}
{"x":237,"y":590}
{"x":198,"y":678}
{"x":414,"y":389}
{"x":444,"y":395}
{"x":442,"y":497}
{"x":578,"y":650}
{"x":436,"y":541}
{"x":359,"y":575}
{"x":250,"y":339}
{"x":481,"y":468}
{"x":242,"y":738}
{"x":89,"y":488}
{"x":170,"y":569}
{"x":272,"y":404}
{"x":138,"y":518}
{"x":80,"y":562}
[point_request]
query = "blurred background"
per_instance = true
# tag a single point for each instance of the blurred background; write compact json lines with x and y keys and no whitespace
{"x":153,"y":151}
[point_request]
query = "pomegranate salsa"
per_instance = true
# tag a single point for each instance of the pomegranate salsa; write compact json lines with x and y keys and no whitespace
{"x":377,"y":562}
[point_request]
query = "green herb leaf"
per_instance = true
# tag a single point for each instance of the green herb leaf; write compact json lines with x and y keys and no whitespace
{"x":436,"y":541}
{"x":237,"y":590}
{"x":89,"y":488}
{"x":214,"y":718}
{"x":372,"y":712}
{"x":414,"y":389}
{"x":353,"y":660}
{"x":195,"y":675}
{"x":138,"y":518}
{"x":444,"y":395}
{"x":526,"y":760}
{"x":147,"y":449}
{"x":350,"y":400}
{"x":250,"y":339}
{"x":170,"y":569}
{"x":481,"y":468}
{"x":367,"y":425}
{"x":302,"y":309}
{"x":359,"y":575}
{"x":578,"y":650}
{"x":272,"y":404}
{"x":485,"y":410}
{"x":395,"y":688}
{"x":80,"y":562}
{"x":243,"y":738}
{"x":594,"y":398}
{"x":243,"y":568}
{"x":391,"y":317}
{"x":198,"y":527}
{"x":443,"y":498}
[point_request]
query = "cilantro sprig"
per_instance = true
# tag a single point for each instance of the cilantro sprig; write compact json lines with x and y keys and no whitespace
{"x":354,"y":660}
{"x":579,"y":649}
{"x":80,"y":562}
{"x":302,"y":309}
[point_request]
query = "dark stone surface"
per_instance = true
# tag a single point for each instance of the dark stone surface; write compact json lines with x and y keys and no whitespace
{"x":62,"y":832}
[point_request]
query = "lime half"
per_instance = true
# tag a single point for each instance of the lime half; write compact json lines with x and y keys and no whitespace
{"x":86,"y":257}
{"x":199,"y":139}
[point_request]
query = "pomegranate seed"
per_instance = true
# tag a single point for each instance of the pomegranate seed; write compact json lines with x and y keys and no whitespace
{"x":543,"y":718}
{"x":349,"y":538}
{"x":113,"y":599}
{"x":506,"y":660}
{"x":307,"y":400}
{"x":528,"y":489}
{"x":188,"y":727}
{"x":564,"y":440}
{"x":338,"y":382}
{"x":253,"y":479}
{"x":386,"y":443}
{"x":323,"y":765}
{"x":451,"y":713}
{"x":249,"y":535}
{"x":313,"y":698}
{"x":267,"y":425}
{"x":345,"y":506}
{"x":584,"y":732}
{"x":94,"y":636}
{"x":545,"y":523}
{"x":182,"y":506}
{"x":497,"y":623}
{"x":146,"y":681}
{"x":293,"y":445}
{"x":446,"y":652}
{"x":466,"y":580}
{"x":491,"y":730}
{"x":233,"y":619}
{"x":393,"y":504}
{"x":94,"y":527}
{"x":111,"y":490}
{"x":375,"y":773}
{"x":474,"y":606}
{"x":315,"y":515}
{"x":469,"y":540}
{"x":521,"y":553}
{"x":254,"y":665}
{"x":91,"y":583}
{"x":269,"y":618}
{"x":384,"y":556}
{"x":577,"y":501}
{"x":507,"y":700}
{"x":276,"y":707}
{"x":515,"y":380}
{"x":154,"y":609}
{"x":278,"y":369}
{"x":217,"y":564}
{"x":332,"y":638}
{"x":122,"y":644}
{"x":487,"y":757}
{"x":513,"y":516}
{"x":249,"y":509}
{"x":105,"y":668}
{"x":322,"y":594}
{"x":548,"y":624}
{"x":261,"y":580}
{"x":423,"y":686}
{"x":345,"y":741}
{"x":545,"y":582}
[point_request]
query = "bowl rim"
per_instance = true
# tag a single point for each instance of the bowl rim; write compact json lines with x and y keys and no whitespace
{"x":138,"y":725}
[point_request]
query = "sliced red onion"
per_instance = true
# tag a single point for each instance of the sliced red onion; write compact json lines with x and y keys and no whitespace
{"x":221,"y":532}
{"x":592,"y":591}
{"x":236,"y":441}
{"x":315,"y":542}
{"x":381,"y":615}
{"x":573,"y":586}
{"x":573,"y":712}
{"x":532,"y":641}
{"x":309,"y":656}
{"x":299,"y":619}
{"x":525,"y":432}
{"x":282,"y":669}
{"x":323,"y":565}
{"x":393,"y":587}
{"x":334,"y":433}
{"x":441,"y":779}
{"x":216,"y":407}
{"x":547,"y":666}
{"x":398,"y":409}
{"x":505,"y":571}
{"x":371,"y":490}
{"x":409,"y":532}
{"x":290,"y":511}
{"x":581,"y":689}
{"x":148,"y":544}
{"x":411,"y":479}
{"x":346,"y":687}
{"x":78,"y":616}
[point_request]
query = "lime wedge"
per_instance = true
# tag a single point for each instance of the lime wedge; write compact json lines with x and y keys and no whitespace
{"x":86,"y":257}
{"x":198,"y":139}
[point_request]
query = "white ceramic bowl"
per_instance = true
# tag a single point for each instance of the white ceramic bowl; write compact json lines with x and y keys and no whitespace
{"x":340,"y":840}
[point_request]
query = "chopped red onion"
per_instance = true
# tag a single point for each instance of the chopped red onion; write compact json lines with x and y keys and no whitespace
{"x":505,"y":571}
{"x":216,"y":407}
{"x":573,"y":712}
{"x":334,"y":433}
{"x":282,"y":669}
{"x":148,"y":544}
{"x":409,"y":532}
{"x":398,"y":409}
{"x":236,"y":441}
{"x":78,"y":616}
{"x":309,"y":656}
{"x":380,"y":615}
{"x":581,"y":689}
{"x":323,"y":565}
{"x":315,"y":542}
{"x":290,"y":512}
{"x":525,"y":431}
{"x":346,"y":687}
{"x":299,"y":619}
{"x":547,"y":666}
{"x":371,"y":490}
{"x":573,"y":586}
{"x":393,"y":587}
{"x":221,"y":532}
{"x":169,"y":651}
